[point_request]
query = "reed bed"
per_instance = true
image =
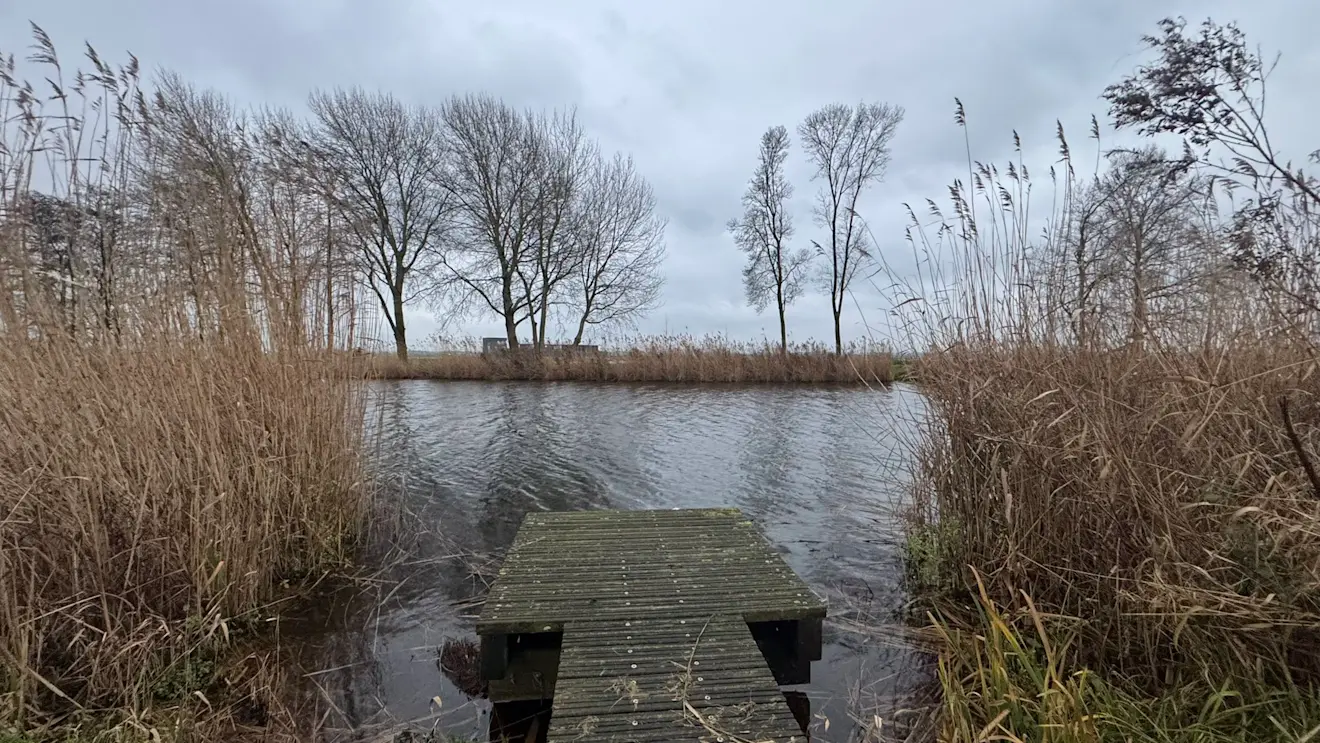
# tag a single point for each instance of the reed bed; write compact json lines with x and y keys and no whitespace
{"x":1116,"y":519}
{"x":676,"y":360}
{"x":1159,"y":502}
{"x":151,"y":498}
{"x":179,"y":456}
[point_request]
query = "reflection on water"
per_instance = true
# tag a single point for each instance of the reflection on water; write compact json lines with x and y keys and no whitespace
{"x":821,"y":470}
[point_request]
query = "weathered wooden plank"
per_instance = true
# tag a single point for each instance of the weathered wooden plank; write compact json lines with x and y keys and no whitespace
{"x":689,"y":688}
{"x":615,"y":516}
{"x":638,"y":556}
{"x":549,"y":574}
{"x":658,"y":533}
{"x":695,"y":581}
{"x":568,"y":611}
{"x":664,"y":668}
{"x":759,"y":723}
{"x":645,"y":604}
{"x":538,"y":569}
{"x":731,"y":724}
{"x":717,"y":647}
{"x":566,"y":605}
{"x":653,"y":607}
{"x":674,"y":524}
{"x":525,"y":623}
{"x":605,"y":701}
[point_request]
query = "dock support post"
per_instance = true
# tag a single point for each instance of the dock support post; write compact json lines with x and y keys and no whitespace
{"x":494,"y":656}
{"x":809,"y":640}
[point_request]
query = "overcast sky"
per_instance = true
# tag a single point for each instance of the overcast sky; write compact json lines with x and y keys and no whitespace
{"x":688,"y":87}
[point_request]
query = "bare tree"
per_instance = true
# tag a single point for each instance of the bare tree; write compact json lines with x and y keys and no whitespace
{"x":1210,"y":89}
{"x":1135,"y":251}
{"x":313,"y":249}
{"x":546,"y":225}
{"x":248,"y":222}
{"x":565,"y":156}
{"x":174,"y":211}
{"x":387,"y":161}
{"x":55,"y":253}
{"x":1208,"y":86}
{"x":1147,"y":217}
{"x":773,"y":271}
{"x":1085,"y":264}
{"x":201,"y":186}
{"x":849,"y":148}
{"x":497,"y":177}
{"x":622,"y":242}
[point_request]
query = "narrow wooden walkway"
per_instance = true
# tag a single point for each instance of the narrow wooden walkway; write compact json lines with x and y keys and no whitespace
{"x":665,"y":621}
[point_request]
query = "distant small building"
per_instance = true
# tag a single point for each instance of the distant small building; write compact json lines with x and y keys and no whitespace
{"x":494,"y":345}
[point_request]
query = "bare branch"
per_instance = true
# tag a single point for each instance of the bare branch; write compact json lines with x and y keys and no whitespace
{"x":774,"y":271}
{"x":849,"y":148}
{"x":622,"y":240}
{"x":387,"y":163}
{"x":496,"y":179}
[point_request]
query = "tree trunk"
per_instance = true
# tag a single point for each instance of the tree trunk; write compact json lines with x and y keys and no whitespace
{"x":511,"y":331}
{"x":836,"y":288}
{"x":105,"y":279}
{"x":400,"y":332}
{"x":1081,"y":310}
{"x":783,"y":326}
{"x":582,"y":328}
{"x":71,"y":309}
{"x":838,"y":334}
{"x":1138,"y":329}
{"x":1138,"y":312}
{"x":329,"y":284}
{"x":510,"y":321}
{"x":545,"y":317}
{"x":352,"y":319}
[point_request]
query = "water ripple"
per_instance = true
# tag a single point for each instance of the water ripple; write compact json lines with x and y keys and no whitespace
{"x":822,"y":470}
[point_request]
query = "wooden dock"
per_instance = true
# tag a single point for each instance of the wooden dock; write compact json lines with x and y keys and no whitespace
{"x":650,"y":626}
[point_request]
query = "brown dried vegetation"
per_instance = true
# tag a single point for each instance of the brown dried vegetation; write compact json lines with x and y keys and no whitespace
{"x":1117,"y":483}
{"x":175,"y":453}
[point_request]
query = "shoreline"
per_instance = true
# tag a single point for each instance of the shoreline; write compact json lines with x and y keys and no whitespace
{"x":677,"y":366}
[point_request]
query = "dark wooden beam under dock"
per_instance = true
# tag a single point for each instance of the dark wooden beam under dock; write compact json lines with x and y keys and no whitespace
{"x":650,"y":626}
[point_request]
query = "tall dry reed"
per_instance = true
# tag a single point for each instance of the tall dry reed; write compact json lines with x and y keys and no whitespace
{"x":1138,"y":473}
{"x":178,"y":450}
{"x":662,"y":359}
{"x":152,"y":495}
{"x":1158,"y":495}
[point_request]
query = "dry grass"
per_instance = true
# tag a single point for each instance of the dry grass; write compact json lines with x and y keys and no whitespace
{"x":1125,"y":533}
{"x":1013,"y":675}
{"x":460,"y":661}
{"x":1150,"y":510}
{"x":1158,"y":495}
{"x":176,"y":457}
{"x":668,"y":359}
{"x":150,"y":498}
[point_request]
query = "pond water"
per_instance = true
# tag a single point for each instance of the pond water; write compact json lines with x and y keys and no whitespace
{"x":823,"y":471}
